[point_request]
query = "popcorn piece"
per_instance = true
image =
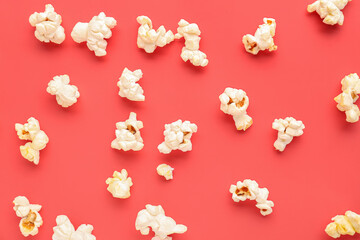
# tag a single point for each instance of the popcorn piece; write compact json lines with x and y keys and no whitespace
{"x":128,"y":134}
{"x":148,"y":38}
{"x":128,"y":86}
{"x":263,"y":38}
{"x":249,"y":189}
{"x":29,"y":214}
{"x":329,"y":10}
{"x":288,"y":129}
{"x":66,"y":231}
{"x":66,"y":94}
{"x":178,"y":136}
{"x":191,"y":33}
{"x":346,"y":100}
{"x":94,"y":33}
{"x":47,"y":23}
{"x":344,"y":225}
{"x":165,"y":171}
{"x":119,"y":185}
{"x":154,"y":217}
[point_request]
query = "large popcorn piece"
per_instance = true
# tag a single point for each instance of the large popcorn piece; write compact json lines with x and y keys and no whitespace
{"x":31,"y":131}
{"x":329,"y":10}
{"x":178,"y":136}
{"x":29,"y":214}
{"x":249,"y":189}
{"x":347,"y":224}
{"x":47,"y":23}
{"x":129,"y":87}
{"x":94,"y":33}
{"x":154,"y":217}
{"x":346,"y":100}
{"x":128,"y":134}
{"x":66,"y":231}
{"x":288,"y":128}
{"x":119,"y":184}
{"x":165,"y":170}
{"x":66,"y":94}
{"x":191,"y":33}
{"x":148,"y":38}
{"x":263,"y":38}
{"x":235,"y":102}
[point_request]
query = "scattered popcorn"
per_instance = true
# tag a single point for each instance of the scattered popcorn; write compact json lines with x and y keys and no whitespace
{"x":66,"y":231}
{"x":29,"y":214}
{"x":235,"y":102}
{"x":154,"y":217}
{"x":329,"y":10}
{"x":66,"y":94}
{"x":191,"y":33}
{"x":119,"y":185}
{"x":128,"y":134}
{"x":288,"y":129}
{"x":94,"y":33}
{"x":178,"y":136}
{"x":31,"y":131}
{"x":263,"y":38}
{"x":344,"y":225}
{"x":48,"y":28}
{"x":129,"y":87}
{"x":148,"y":38}
{"x":249,"y":189}
{"x":165,"y":171}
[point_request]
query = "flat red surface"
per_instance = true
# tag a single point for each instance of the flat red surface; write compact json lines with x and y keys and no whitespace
{"x":315,"y":178}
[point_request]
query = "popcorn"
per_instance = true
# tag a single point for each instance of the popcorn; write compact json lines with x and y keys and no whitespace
{"x":329,"y":10}
{"x":191,"y":33}
{"x":344,"y":225}
{"x":346,"y":100}
{"x":235,"y":102}
{"x":177,"y":136}
{"x":288,"y":129}
{"x":119,"y":185}
{"x":31,"y":131}
{"x":165,"y":171}
{"x":128,"y":134}
{"x":66,"y":94}
{"x":148,"y":38}
{"x":249,"y":189}
{"x":154,"y":217}
{"x":94,"y":33}
{"x":128,"y":86}
{"x":48,"y":28}
{"x":29,"y":214}
{"x":66,"y":231}
{"x":263,"y":38}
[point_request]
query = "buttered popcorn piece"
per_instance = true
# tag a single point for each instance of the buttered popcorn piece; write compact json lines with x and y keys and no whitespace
{"x":165,"y":170}
{"x":129,"y":87}
{"x":287,"y":128}
{"x":66,"y":94}
{"x":329,"y":10}
{"x":347,"y":224}
{"x":94,"y":33}
{"x":66,"y":231}
{"x":47,"y":23}
{"x":263,"y":38}
{"x":178,"y":136}
{"x":119,"y":184}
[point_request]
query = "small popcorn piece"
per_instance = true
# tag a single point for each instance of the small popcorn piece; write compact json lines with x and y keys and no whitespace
{"x":94,"y":33}
{"x":263,"y":38}
{"x":165,"y":171}
{"x":47,"y":23}
{"x":347,"y":224}
{"x":66,"y":231}
{"x":119,"y":185}
{"x":66,"y":94}
{"x":287,"y":128}
{"x":178,"y":136}
{"x":329,"y":10}
{"x":129,"y":87}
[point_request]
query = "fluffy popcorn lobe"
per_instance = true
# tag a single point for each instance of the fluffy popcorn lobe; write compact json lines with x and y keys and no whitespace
{"x":66,"y":94}
{"x":47,"y":23}
{"x":287,"y":128}
{"x":165,"y":170}
{"x":347,"y":224}
{"x":329,"y":10}
{"x":94,"y":33}
{"x":66,"y":231}
{"x":129,"y":87}
{"x":119,"y":184}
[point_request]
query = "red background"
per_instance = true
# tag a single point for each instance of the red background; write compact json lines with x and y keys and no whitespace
{"x":312,"y":181}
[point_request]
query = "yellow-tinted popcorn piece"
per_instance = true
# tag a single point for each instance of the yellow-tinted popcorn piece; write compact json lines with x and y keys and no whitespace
{"x":347,"y":224}
{"x":119,"y":184}
{"x":165,"y":170}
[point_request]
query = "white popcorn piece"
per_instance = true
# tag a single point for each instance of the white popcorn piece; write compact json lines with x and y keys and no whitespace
{"x":287,"y":128}
{"x":128,"y":134}
{"x":66,"y":231}
{"x":148,"y":38}
{"x":154,"y":217}
{"x":119,"y":184}
{"x":47,"y":23}
{"x":129,"y":87}
{"x":94,"y":33}
{"x":66,"y":94}
{"x":329,"y":10}
{"x":347,"y":224}
{"x":249,"y":189}
{"x":29,"y":214}
{"x":191,"y":34}
{"x":263,"y":38}
{"x":165,"y":170}
{"x":177,"y":136}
